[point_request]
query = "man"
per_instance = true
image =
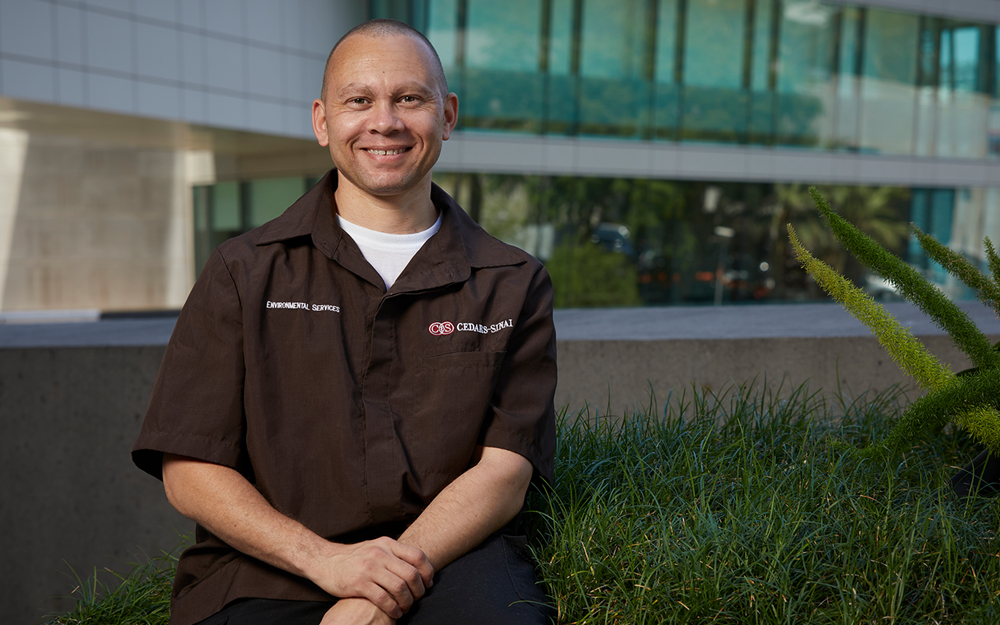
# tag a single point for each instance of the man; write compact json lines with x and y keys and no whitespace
{"x":357,"y":394}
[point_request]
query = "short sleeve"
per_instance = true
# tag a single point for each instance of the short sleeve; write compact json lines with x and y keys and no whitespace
{"x":196,"y":408}
{"x":523,"y":418}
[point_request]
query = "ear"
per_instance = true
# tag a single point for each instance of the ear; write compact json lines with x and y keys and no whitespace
{"x":450,"y":115}
{"x":319,"y":123}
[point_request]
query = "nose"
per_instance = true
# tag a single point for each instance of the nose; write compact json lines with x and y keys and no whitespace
{"x":385,"y":118}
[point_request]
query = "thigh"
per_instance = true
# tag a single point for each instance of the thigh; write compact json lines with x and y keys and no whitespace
{"x":269,"y":612}
{"x":492,"y":585}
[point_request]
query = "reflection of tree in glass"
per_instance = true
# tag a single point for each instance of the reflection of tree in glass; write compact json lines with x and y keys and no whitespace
{"x":881,"y":212}
{"x":588,"y":275}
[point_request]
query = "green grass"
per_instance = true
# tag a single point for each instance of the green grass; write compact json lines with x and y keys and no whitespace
{"x":735,"y":507}
{"x":140,"y":597}
{"x":743,"y":508}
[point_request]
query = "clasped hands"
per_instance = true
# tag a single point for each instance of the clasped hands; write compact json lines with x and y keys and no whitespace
{"x":377,"y":580}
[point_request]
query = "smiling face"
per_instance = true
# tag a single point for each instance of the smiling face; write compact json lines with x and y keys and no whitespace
{"x":384,"y":115}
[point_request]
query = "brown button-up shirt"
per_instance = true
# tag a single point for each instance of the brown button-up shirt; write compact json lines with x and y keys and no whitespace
{"x":348,"y":407}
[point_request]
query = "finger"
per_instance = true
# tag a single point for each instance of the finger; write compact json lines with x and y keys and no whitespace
{"x":405,"y":586}
{"x":417,"y":559}
{"x":410,"y":576}
{"x":383,"y":600}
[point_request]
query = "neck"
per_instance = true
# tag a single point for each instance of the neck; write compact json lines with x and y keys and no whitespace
{"x":409,"y":212}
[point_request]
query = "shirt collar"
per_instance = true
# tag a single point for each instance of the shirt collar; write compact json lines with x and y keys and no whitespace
{"x":448,"y":257}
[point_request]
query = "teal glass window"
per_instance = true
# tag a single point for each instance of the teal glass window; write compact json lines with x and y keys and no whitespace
{"x":804,"y":107}
{"x":666,"y":88}
{"x":714,"y":97}
{"x":793,"y":73}
{"x":962,"y":107}
{"x":503,"y":86}
{"x":888,"y":84}
{"x":763,"y":73}
{"x":562,"y":61}
{"x":226,"y":209}
{"x":615,"y":61}
{"x":993,"y":123}
{"x":268,"y":198}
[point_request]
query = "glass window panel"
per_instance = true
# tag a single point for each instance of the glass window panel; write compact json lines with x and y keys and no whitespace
{"x":666,"y":41}
{"x":226,"y":214}
{"x":503,"y":87}
{"x":503,"y":36}
{"x":963,"y":111}
{"x":762,"y":111}
{"x":614,"y":94}
{"x":442,"y":31}
{"x":561,"y":37}
{"x":993,"y":132}
{"x":613,"y":39}
{"x":713,"y":54}
{"x":715,"y":104}
{"x":888,"y":84}
{"x":269,"y":198}
{"x":760,"y":63}
{"x":928,"y":65}
{"x":202,"y":226}
{"x":966,"y":57}
{"x":560,"y":92}
{"x":666,"y":105}
{"x":805,"y":79}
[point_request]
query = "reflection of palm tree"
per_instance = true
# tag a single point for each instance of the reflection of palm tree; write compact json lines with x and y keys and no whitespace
{"x":878,"y":211}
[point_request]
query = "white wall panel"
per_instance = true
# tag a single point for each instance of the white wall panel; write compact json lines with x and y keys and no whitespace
{"x":26,"y":28}
{"x":109,"y":93}
{"x":71,"y":87}
{"x":27,"y":81}
{"x":166,"y":10}
{"x":157,"y":52}
{"x":225,"y":16}
{"x":69,"y":34}
{"x":224,"y":64}
{"x":109,"y":42}
{"x":157,"y":101}
{"x":263,"y":70}
{"x":263,"y":24}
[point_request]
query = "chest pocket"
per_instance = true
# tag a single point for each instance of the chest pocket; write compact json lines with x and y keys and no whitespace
{"x":451,"y":405}
{"x":459,"y":383}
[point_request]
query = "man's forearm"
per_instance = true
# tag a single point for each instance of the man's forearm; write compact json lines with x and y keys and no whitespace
{"x":476,"y":504}
{"x":390,"y":574}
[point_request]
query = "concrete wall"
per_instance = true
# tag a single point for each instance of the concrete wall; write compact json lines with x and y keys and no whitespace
{"x":85,"y":224}
{"x":71,"y":499}
{"x":72,"y":396}
{"x":620,"y":375}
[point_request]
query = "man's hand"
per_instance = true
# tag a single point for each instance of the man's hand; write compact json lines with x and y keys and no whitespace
{"x":389,"y":574}
{"x":356,"y":612}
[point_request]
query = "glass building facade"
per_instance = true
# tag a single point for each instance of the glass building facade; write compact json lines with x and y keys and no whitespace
{"x":791,"y":73}
{"x":788,"y":76}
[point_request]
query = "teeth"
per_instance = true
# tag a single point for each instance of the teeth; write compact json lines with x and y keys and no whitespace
{"x":386,"y":152}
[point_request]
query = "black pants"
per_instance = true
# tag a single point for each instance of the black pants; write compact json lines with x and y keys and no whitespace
{"x":492,"y":585}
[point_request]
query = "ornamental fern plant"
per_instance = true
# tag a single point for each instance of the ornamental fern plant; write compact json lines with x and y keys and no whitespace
{"x":971,"y":398}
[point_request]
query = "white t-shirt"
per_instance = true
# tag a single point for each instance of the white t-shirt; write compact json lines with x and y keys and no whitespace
{"x":388,"y":253}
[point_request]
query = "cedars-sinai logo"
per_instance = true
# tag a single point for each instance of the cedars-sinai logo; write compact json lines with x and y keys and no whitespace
{"x":440,"y":328}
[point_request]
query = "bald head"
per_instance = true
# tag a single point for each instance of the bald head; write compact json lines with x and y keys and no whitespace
{"x":390,"y":28}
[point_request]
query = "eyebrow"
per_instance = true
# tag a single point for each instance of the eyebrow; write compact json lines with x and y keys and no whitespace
{"x":359,"y":87}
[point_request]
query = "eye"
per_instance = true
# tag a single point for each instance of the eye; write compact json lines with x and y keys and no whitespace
{"x":359,"y":101}
{"x":409,"y":99}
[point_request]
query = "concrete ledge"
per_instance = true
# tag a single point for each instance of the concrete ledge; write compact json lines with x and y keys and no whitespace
{"x":72,"y":396}
{"x":613,"y":358}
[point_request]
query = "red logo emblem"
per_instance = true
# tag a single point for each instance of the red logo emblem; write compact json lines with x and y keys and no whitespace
{"x":440,"y":328}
